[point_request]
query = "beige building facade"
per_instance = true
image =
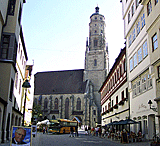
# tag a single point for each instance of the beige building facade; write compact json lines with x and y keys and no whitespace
{"x":11,"y":37}
{"x":142,"y":62}
{"x":151,"y":8}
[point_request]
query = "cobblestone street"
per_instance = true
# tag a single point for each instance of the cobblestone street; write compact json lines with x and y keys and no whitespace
{"x":83,"y":140}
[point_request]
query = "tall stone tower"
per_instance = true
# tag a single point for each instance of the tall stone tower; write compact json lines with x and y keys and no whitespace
{"x":96,"y":56}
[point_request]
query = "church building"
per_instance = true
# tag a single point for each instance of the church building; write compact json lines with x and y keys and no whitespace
{"x":70,"y":94}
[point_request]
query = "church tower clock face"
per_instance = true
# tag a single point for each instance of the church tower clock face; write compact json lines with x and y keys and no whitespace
{"x":96,"y":55}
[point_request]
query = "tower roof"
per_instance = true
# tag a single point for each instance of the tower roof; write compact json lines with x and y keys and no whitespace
{"x":97,"y":9}
{"x":96,"y":12}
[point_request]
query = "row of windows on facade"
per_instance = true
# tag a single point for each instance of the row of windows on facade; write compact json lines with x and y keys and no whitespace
{"x":6,"y":52}
{"x":143,"y":52}
{"x":97,"y":18}
{"x":21,"y":54}
{"x":6,"y":38}
{"x":11,"y":9}
{"x":142,"y":85}
{"x":131,"y":12}
{"x":95,"y":31}
{"x":149,"y":6}
{"x":139,"y":26}
{"x":98,"y":24}
{"x":138,"y":56}
{"x":16,"y":82}
{"x":56,"y":103}
{"x":112,"y":103}
{"x":115,"y":77}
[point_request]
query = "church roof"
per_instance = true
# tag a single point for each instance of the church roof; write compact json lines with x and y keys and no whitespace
{"x":59,"y":82}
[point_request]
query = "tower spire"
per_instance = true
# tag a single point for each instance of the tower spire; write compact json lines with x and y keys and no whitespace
{"x":97,"y":9}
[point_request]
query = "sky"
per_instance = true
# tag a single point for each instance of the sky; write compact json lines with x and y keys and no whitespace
{"x":55,"y":32}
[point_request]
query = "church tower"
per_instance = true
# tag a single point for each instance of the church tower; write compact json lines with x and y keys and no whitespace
{"x":96,"y":56}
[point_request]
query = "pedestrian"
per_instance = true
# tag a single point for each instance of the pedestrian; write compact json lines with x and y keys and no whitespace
{"x":89,"y":130}
{"x":86,"y":130}
{"x":46,"y":129}
{"x":43,"y":130}
{"x":96,"y":129}
{"x":103,"y":133}
{"x":76,"y":131}
{"x":71,"y":132}
{"x":100,"y":131}
{"x":93,"y":131}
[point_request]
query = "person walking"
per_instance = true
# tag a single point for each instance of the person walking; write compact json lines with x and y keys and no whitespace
{"x":96,"y":129}
{"x":43,"y":130}
{"x":103,"y":133}
{"x":92,"y":131}
{"x":86,"y":130}
{"x":89,"y":130}
{"x":71,"y":132}
{"x":100,"y":131}
{"x":76,"y":131}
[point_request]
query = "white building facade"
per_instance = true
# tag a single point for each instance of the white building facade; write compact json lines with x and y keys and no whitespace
{"x":142,"y":85}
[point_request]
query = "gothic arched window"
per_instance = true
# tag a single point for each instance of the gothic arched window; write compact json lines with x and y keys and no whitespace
{"x":45,"y":103}
{"x":78,"y":104}
{"x":95,"y":43}
{"x":67,"y":108}
{"x":56,"y":103}
{"x":95,"y":62}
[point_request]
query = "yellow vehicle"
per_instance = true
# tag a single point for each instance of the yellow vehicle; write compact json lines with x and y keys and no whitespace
{"x":61,"y":126}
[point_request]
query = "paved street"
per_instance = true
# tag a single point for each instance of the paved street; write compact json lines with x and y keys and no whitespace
{"x":83,"y":140}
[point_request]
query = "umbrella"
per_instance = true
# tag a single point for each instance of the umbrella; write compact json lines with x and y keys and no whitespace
{"x":125,"y":122}
{"x":112,"y":123}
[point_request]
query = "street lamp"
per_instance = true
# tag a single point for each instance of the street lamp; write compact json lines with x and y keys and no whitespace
{"x":150,"y":102}
{"x":25,"y":85}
